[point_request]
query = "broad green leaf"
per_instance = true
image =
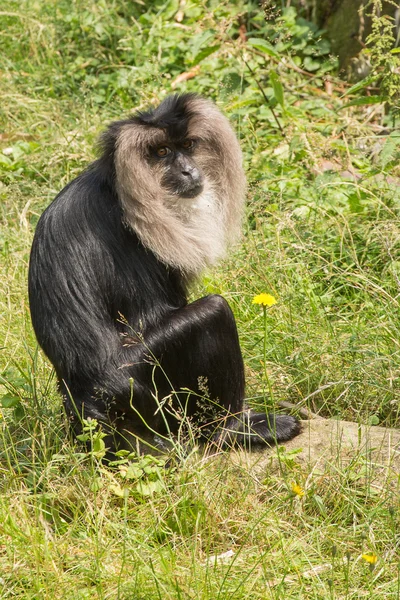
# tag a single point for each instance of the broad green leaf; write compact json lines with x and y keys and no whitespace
{"x":5,"y":161}
{"x":202,"y":40}
{"x":311,"y":65}
{"x":320,"y":504}
{"x":360,"y":85}
{"x":117,"y":490}
{"x":364,"y":100}
{"x":9,"y":401}
{"x":277,"y":87}
{"x":354,"y":203}
{"x":242,"y":103}
{"x":204,"y":53}
{"x":263,"y":46}
{"x":133,"y":472}
{"x":149,"y":488}
{"x":231,"y":81}
{"x":96,"y":484}
{"x":99,"y":447}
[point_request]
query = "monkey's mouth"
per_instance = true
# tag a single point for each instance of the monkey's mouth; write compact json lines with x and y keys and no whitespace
{"x":190,"y":191}
{"x":184,"y":187}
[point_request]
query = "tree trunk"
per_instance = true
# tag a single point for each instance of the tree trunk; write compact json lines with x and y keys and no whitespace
{"x":347,"y":23}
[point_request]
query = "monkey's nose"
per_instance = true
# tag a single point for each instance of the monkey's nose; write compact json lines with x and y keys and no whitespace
{"x":191,"y":173}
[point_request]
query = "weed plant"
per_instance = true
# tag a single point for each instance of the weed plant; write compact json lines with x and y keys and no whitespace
{"x":321,"y":235}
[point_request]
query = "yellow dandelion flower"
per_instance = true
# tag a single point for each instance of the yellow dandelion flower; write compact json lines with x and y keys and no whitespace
{"x":264,"y":300}
{"x":298,"y":490}
{"x":370,"y":557}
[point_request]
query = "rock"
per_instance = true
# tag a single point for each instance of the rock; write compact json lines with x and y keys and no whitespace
{"x":328,"y":442}
{"x":324,"y":440}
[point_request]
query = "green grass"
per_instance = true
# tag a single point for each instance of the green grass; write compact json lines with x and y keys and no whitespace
{"x":322,"y":235}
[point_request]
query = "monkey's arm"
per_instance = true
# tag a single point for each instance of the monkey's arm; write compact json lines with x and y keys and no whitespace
{"x":197,"y":348}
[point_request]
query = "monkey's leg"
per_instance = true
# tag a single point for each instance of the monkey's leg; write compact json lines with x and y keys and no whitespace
{"x":187,"y":369}
{"x":197,"y":348}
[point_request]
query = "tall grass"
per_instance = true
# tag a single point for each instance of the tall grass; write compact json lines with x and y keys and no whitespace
{"x":321,"y":235}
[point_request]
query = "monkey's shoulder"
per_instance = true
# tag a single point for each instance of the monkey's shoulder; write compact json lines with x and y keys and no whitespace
{"x":88,"y":196}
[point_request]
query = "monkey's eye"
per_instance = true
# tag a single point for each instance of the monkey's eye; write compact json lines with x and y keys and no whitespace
{"x":188,"y":144}
{"x":163,"y":151}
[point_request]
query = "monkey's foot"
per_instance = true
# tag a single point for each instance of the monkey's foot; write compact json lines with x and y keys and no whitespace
{"x":259,"y":429}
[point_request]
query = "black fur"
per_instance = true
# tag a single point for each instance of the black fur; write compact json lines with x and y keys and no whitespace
{"x":116,"y":325}
{"x":172,"y":115}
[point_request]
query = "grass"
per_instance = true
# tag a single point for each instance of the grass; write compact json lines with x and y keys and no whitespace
{"x":321,"y":235}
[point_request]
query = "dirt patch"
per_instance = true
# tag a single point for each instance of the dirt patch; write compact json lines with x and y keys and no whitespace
{"x":325,"y":444}
{"x":324,"y":440}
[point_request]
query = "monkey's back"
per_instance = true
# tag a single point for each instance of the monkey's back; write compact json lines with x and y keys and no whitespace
{"x":89,"y":283}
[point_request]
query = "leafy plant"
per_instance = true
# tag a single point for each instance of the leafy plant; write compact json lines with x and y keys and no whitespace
{"x":94,"y":436}
{"x":383,"y":56}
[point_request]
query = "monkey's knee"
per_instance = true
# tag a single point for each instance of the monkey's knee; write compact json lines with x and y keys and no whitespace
{"x":222,"y":314}
{"x":217,"y":305}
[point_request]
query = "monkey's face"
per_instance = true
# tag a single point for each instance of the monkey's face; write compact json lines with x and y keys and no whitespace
{"x":180,"y":173}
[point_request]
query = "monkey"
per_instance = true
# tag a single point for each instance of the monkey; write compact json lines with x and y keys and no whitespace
{"x":111,"y":263}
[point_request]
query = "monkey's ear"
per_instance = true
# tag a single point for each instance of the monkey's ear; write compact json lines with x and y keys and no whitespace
{"x":108,"y":139}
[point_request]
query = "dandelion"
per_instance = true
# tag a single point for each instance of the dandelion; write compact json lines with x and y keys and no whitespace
{"x":298,"y":490}
{"x":371,"y":558}
{"x":264,"y":300}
